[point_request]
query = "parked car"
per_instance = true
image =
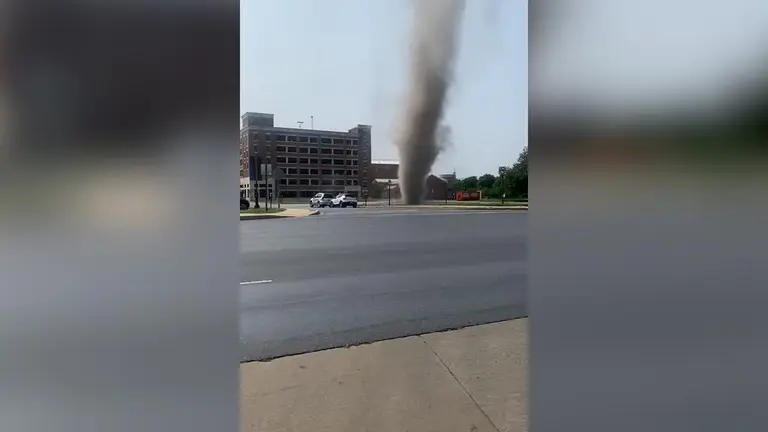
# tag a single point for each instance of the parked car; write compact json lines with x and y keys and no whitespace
{"x":244,"y":204}
{"x":344,"y":200}
{"x":321,"y":200}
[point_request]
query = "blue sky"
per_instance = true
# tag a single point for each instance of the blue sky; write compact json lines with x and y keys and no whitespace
{"x":345,"y":62}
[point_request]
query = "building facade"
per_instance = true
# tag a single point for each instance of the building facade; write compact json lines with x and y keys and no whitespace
{"x":385,"y":184}
{"x":311,"y":160}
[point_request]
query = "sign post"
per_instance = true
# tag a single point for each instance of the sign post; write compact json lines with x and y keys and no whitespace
{"x":254,"y":165}
{"x":277,"y":175}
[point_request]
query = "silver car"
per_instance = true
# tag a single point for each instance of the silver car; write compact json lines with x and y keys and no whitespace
{"x":344,"y":200}
{"x":321,"y":200}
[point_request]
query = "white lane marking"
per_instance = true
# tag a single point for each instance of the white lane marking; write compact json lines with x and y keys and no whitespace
{"x":257,"y":282}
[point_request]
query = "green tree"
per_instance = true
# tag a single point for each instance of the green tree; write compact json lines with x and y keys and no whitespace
{"x":486,"y":181}
{"x":469,"y":183}
{"x":516,"y":178}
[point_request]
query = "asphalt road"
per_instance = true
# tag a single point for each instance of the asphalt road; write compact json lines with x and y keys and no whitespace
{"x":353,"y":276}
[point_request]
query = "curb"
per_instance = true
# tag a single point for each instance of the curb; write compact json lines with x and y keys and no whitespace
{"x":275,"y":216}
{"x":255,"y":217}
{"x":439,"y":207}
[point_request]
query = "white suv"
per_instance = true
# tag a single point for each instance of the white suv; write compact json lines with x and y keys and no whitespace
{"x":344,"y":200}
{"x":321,"y":200}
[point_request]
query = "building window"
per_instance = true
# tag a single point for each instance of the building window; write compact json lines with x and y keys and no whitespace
{"x":303,"y":171}
{"x":292,"y":160}
{"x":354,"y":172}
{"x":354,"y":182}
{"x":314,"y":161}
{"x":338,"y":182}
{"x":313,"y":140}
{"x":349,"y":142}
{"x":314,"y":171}
{"x":291,"y":149}
{"x":354,"y":142}
{"x":354,"y":162}
{"x":314,"y":182}
{"x":327,"y":172}
{"x":283,"y":181}
{"x":292,"y":182}
{"x":303,"y":139}
{"x":313,"y":150}
{"x":338,"y":152}
{"x":326,"y":151}
{"x":281,"y":159}
{"x":292,"y":138}
{"x":303,"y":160}
{"x":304,"y":182}
{"x":290,"y":171}
{"x":354,"y":152}
{"x":349,"y":161}
{"x":338,"y":172}
{"x":349,"y":182}
{"x":281,"y":149}
{"x":338,"y":141}
{"x":338,"y":161}
{"x":280,"y":138}
{"x":326,"y":161}
{"x":327,"y":182}
{"x":303,"y":150}
{"x":325,"y":140}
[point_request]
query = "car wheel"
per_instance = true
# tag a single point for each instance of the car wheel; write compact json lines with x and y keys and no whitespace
{"x":343,"y":205}
{"x":354,"y":205}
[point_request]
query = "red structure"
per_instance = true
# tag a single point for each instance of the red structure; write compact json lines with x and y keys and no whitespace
{"x":467,"y":196}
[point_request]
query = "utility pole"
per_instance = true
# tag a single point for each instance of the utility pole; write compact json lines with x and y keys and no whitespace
{"x":267,"y":190}
{"x":254,"y":168}
{"x":389,"y":192}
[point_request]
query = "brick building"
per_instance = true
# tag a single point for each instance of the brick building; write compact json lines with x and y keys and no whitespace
{"x":384,"y":175}
{"x":312,"y":160}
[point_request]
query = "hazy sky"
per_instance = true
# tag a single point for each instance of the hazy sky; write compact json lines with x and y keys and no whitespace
{"x":345,"y":62}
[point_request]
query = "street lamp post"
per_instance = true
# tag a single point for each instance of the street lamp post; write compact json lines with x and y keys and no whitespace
{"x":389,"y":192}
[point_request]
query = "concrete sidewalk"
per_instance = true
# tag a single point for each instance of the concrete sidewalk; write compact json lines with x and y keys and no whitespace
{"x":287,"y":213}
{"x":449,"y":207}
{"x":473,"y":379}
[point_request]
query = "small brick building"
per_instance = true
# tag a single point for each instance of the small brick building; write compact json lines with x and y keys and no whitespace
{"x":382,"y":172}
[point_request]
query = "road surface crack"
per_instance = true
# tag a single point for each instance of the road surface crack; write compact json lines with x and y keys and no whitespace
{"x":472,"y":398}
